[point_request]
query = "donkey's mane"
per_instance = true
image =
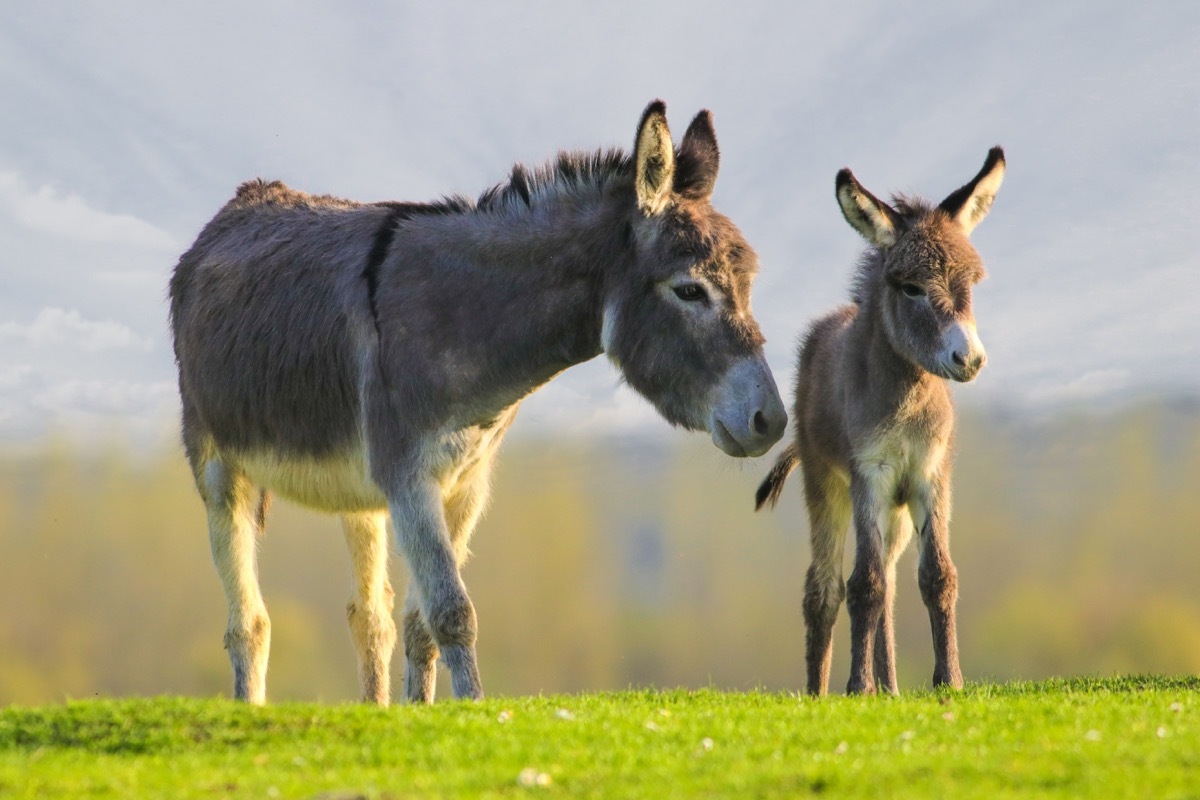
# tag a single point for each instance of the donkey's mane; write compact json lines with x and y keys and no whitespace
{"x":568,"y":172}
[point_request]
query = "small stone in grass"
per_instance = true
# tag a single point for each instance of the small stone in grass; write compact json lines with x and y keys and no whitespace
{"x":1092,"y":736}
{"x":948,"y":716}
{"x":907,"y":736}
{"x":530,"y":777}
{"x":505,"y":716}
{"x":1161,"y":733}
{"x":841,"y":748}
{"x":563,"y":713}
{"x":1176,"y":707}
{"x":651,"y":726}
{"x":706,"y":743}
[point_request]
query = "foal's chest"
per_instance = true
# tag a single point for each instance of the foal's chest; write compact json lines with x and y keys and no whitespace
{"x":897,"y":460}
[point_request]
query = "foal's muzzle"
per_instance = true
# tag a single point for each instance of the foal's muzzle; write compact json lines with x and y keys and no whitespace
{"x":962,"y":355}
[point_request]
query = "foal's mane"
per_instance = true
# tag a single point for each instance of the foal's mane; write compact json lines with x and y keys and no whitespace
{"x":910,"y":208}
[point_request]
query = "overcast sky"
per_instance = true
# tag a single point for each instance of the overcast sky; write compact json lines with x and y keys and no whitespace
{"x":127,"y":125}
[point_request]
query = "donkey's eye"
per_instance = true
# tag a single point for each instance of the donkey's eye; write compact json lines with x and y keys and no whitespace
{"x":691,"y":293}
{"x":912,"y":290}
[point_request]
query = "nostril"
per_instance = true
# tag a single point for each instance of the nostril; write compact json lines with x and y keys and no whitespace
{"x":959,"y":358}
{"x":761,"y":426}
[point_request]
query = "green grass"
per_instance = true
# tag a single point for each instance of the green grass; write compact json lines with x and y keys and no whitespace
{"x":1125,"y":737}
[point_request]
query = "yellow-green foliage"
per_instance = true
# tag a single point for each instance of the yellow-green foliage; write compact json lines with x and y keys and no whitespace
{"x":603,"y":565}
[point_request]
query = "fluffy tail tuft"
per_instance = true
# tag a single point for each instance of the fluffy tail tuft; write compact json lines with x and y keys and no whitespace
{"x":772,"y":486}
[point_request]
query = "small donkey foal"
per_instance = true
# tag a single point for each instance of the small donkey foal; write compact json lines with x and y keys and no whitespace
{"x":874,"y":424}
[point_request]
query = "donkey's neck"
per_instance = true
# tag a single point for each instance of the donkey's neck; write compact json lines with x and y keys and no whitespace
{"x":512,"y":296}
{"x":558,"y":255}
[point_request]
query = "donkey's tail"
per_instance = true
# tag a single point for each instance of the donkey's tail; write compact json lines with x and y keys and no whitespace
{"x":260,"y":515}
{"x":772,"y":485}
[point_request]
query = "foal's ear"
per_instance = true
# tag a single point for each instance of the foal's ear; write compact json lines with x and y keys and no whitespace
{"x":699,"y":159}
{"x":654,"y":160}
{"x":971,"y":203}
{"x":878,"y":223}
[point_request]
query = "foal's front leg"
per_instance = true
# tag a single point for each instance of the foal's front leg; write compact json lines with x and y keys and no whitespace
{"x":899,"y":531}
{"x":445,"y":608}
{"x":866,"y":591}
{"x":938,"y":578}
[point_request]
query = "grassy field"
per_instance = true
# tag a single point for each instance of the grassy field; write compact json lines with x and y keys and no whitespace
{"x":1128,"y":737}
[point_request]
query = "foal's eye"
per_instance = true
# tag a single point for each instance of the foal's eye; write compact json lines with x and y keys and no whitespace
{"x":912,"y":290}
{"x":691,"y":293}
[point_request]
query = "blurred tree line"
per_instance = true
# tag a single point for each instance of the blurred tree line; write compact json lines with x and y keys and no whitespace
{"x":606,"y":564}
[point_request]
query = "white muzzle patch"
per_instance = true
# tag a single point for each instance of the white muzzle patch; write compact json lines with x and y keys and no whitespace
{"x":962,"y":353}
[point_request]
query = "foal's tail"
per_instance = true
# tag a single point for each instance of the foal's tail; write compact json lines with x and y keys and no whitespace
{"x":772,"y":485}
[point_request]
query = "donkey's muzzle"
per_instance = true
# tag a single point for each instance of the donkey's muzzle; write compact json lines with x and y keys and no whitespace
{"x":747,"y":416}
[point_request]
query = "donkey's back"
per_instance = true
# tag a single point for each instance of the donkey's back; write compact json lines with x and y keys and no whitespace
{"x":269,"y":310}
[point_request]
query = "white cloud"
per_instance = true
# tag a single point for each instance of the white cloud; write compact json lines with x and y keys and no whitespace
{"x":34,"y":404}
{"x":54,"y":325}
{"x":116,"y":397}
{"x":45,"y":209}
{"x":1088,"y":386}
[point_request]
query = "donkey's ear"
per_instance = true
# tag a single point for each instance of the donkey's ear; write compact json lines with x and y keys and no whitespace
{"x":878,"y":223}
{"x":699,"y":159}
{"x":971,"y":203}
{"x":654,"y":160}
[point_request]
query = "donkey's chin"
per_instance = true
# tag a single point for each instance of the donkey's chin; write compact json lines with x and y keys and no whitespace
{"x":723,"y":439}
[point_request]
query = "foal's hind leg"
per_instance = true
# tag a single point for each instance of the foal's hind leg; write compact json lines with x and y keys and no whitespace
{"x":236,"y":512}
{"x":866,"y":591}
{"x":829,"y":513}
{"x":898,"y":535}
{"x":370,"y":610}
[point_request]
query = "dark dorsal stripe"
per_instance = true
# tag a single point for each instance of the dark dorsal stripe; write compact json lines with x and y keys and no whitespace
{"x":379,"y":250}
{"x":382,"y":243}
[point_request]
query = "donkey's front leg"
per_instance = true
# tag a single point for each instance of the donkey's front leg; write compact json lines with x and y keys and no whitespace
{"x":866,"y":589}
{"x":938,"y":579}
{"x":446,"y":610}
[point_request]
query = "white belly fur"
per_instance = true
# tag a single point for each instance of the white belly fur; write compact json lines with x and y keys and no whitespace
{"x":338,"y":484}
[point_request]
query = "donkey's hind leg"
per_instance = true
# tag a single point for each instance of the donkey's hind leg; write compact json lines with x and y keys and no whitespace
{"x":370,"y":610}
{"x":236,"y":513}
{"x":828,"y":502}
{"x":898,"y":535}
{"x":420,"y":652}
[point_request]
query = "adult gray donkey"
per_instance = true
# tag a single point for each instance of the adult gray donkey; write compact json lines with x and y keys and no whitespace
{"x":367,"y":359}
